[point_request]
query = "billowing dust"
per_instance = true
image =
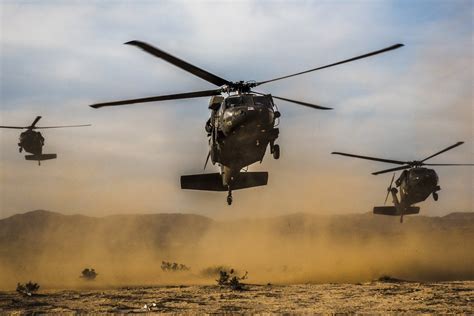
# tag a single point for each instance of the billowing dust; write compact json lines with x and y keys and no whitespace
{"x":53,"y":249}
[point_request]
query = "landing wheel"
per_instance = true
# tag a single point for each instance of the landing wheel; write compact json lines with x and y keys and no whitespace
{"x":20,"y":149}
{"x":435,"y":196}
{"x":276,"y":151}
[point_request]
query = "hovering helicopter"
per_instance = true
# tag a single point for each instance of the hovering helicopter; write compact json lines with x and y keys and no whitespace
{"x":416,"y":183}
{"x":241,"y":126}
{"x":33,"y":142}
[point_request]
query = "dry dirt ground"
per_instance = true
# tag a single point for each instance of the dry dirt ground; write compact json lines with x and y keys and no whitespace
{"x":374,"y":297}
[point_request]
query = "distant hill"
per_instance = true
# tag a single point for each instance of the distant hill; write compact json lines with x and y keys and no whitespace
{"x":39,"y":230}
{"x":44,"y":244}
{"x":168,"y":230}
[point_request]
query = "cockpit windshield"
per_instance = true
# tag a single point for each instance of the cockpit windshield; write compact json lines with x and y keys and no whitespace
{"x":262,"y":100}
{"x":248,"y":100}
{"x":233,"y":101}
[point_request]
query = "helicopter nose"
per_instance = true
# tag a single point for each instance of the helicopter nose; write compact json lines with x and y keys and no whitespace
{"x":247,"y":115}
{"x":234,"y":117}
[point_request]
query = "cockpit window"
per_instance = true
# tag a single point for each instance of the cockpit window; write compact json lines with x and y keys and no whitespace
{"x":238,"y":100}
{"x":261,"y":100}
{"x":231,"y":102}
{"x":420,"y":171}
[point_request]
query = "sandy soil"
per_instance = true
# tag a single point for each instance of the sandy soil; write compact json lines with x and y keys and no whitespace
{"x":374,"y":297}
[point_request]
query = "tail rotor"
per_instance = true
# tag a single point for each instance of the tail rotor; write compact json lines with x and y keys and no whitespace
{"x":389,"y":189}
{"x":207,"y":159}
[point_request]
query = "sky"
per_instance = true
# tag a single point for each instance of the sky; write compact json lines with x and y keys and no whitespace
{"x":56,"y":57}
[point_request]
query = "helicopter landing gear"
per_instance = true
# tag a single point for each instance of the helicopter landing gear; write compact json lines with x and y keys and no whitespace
{"x":276,"y":151}
{"x":20,"y":149}
{"x":229,"y":197}
{"x":435,"y":196}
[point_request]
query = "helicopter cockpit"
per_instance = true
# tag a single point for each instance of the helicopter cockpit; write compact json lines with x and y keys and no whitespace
{"x":417,"y":176}
{"x":248,"y":100}
{"x":424,"y":176}
{"x":32,"y":136}
{"x":238,"y":100}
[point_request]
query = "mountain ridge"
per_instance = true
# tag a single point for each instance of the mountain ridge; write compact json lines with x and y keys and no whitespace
{"x":41,"y":212}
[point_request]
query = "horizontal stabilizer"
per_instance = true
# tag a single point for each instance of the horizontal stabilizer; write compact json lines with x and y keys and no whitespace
{"x":41,"y":157}
{"x":213,"y":181}
{"x":393,"y":211}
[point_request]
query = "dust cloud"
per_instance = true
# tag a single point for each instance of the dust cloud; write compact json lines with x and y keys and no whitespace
{"x":125,"y":250}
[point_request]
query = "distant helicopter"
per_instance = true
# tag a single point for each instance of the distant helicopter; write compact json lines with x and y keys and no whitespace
{"x":33,"y":142}
{"x":416,"y":183}
{"x":241,"y":126}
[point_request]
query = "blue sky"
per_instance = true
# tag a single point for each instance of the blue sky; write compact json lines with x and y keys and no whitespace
{"x":59,"y":56}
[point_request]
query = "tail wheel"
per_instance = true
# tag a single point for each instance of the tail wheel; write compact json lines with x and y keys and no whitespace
{"x":435,"y":196}
{"x":276,"y":151}
{"x":229,"y":197}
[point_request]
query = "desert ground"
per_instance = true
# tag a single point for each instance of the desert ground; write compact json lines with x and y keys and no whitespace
{"x":299,"y":263}
{"x":372,"y":297}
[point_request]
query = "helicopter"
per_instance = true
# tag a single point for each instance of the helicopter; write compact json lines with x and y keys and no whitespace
{"x":32,"y":142}
{"x":242,"y":123}
{"x":416,"y":183}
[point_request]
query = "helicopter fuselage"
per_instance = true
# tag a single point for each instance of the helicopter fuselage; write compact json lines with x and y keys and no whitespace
{"x":31,"y":142}
{"x":416,"y":185}
{"x":240,"y":129}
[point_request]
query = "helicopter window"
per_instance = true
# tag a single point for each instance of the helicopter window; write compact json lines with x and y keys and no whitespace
{"x":261,"y":100}
{"x":239,"y":100}
{"x":231,"y":102}
{"x":419,"y":171}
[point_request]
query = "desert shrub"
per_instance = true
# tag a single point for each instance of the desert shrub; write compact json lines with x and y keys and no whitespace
{"x":89,"y":274}
{"x":173,"y":266}
{"x":231,"y":280}
{"x":388,"y":279}
{"x":27,"y":288}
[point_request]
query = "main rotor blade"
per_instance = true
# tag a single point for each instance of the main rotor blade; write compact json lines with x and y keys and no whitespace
{"x":448,"y":164}
{"x":392,"y":169}
{"x":314,"y":106}
{"x":442,"y":151}
{"x":201,"y":73}
{"x":187,"y":95}
{"x":371,"y":158}
{"x":35,"y":121}
{"x":14,"y":127}
{"x":334,"y":64}
{"x":44,"y":127}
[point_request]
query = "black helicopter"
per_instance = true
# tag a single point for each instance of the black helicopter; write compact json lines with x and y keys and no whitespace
{"x":241,"y":126}
{"x":33,"y":142}
{"x":416,"y":183}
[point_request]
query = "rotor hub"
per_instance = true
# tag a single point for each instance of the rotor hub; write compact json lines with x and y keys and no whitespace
{"x":416,"y":163}
{"x":240,"y":86}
